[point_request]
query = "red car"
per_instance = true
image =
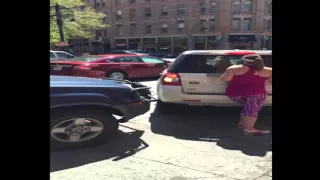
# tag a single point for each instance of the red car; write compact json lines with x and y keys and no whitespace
{"x":118,"y":66}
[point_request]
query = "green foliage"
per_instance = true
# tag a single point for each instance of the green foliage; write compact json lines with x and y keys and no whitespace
{"x":84,"y":21}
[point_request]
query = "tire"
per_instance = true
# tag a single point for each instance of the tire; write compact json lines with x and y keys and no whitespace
{"x":167,"y":108}
{"x":116,"y":74}
{"x":98,"y":119}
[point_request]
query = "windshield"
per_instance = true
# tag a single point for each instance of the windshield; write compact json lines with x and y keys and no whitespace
{"x":87,"y":58}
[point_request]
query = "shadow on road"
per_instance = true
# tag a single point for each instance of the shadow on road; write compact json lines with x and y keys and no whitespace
{"x":215,"y":124}
{"x":124,"y":145}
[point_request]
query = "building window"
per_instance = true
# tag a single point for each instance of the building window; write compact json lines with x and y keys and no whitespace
{"x":119,"y":15}
{"x":105,"y":32}
{"x":98,"y":5}
{"x":98,"y":34}
{"x":212,"y":42}
{"x":212,"y":25}
{"x":270,"y":8}
{"x":180,"y":26}
{"x":180,"y":45}
{"x":203,"y":25}
{"x":119,"y":29}
{"x":181,"y":9}
{"x":132,"y":1}
{"x":164,"y":10}
{"x":247,"y":24}
{"x":203,"y":7}
{"x":269,"y":25}
{"x":147,"y":12}
{"x":247,"y":6}
{"x":236,"y":6}
{"x":199,"y":42}
{"x":117,"y":2}
{"x":147,"y":28}
{"x":132,"y":14}
{"x":213,"y":6}
{"x":164,"y":44}
{"x":164,"y":27}
{"x":103,"y":3}
{"x":236,"y":24}
{"x":132,"y":28}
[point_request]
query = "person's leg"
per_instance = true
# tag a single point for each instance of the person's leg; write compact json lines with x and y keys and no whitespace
{"x":250,"y":112}
{"x":241,"y":100}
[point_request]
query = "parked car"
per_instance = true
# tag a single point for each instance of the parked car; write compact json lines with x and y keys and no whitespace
{"x":117,"y":66}
{"x":124,"y":52}
{"x":160,"y":54}
{"x":60,"y":55}
{"x":194,"y":79}
{"x":82,"y":109}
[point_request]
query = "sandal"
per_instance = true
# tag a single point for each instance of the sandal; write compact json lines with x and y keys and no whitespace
{"x":255,"y":133}
{"x":240,"y":127}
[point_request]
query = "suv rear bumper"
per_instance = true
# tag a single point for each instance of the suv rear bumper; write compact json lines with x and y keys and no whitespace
{"x":174,"y":94}
{"x":133,"y":110}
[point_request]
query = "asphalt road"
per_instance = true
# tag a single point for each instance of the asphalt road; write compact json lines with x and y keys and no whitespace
{"x":200,"y":143}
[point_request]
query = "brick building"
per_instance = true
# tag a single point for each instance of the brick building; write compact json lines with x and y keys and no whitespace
{"x":177,"y":25}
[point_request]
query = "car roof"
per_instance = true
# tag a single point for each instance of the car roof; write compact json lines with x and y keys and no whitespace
{"x":118,"y":55}
{"x":223,"y":52}
{"x":60,"y":51}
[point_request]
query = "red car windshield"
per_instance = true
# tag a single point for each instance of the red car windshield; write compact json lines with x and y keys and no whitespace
{"x":87,"y":58}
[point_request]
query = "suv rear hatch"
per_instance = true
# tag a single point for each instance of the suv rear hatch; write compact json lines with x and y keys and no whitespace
{"x":200,"y":73}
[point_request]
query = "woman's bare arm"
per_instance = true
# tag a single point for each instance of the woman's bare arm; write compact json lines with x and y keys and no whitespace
{"x":270,"y":76}
{"x":228,"y":75}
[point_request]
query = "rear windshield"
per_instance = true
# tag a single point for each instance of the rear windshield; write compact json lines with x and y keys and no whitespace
{"x":87,"y":58}
{"x":209,"y":63}
{"x":267,"y":59}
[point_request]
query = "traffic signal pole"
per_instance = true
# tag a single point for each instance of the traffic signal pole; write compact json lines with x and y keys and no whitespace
{"x":59,"y":21}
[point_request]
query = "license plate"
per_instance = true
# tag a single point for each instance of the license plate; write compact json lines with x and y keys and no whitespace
{"x":57,"y":68}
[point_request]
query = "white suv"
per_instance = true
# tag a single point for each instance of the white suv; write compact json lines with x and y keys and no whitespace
{"x":194,"y":79}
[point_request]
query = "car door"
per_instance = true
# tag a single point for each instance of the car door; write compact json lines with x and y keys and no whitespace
{"x":133,"y":66}
{"x":154,"y":65}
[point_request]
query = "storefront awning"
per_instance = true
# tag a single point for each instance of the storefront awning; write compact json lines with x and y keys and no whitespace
{"x":242,"y":38}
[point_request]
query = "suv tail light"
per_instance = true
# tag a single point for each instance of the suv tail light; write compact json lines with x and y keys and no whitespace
{"x":171,"y":79}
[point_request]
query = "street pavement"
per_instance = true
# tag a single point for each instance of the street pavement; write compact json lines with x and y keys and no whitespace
{"x":199,"y":143}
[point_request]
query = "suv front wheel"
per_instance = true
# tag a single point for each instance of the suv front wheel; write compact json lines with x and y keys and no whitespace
{"x":81,"y":128}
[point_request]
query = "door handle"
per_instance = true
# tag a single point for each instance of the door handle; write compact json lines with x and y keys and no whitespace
{"x":194,"y":82}
{"x":213,"y":75}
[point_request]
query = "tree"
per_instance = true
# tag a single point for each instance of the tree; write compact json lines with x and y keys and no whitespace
{"x":79,"y":25}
